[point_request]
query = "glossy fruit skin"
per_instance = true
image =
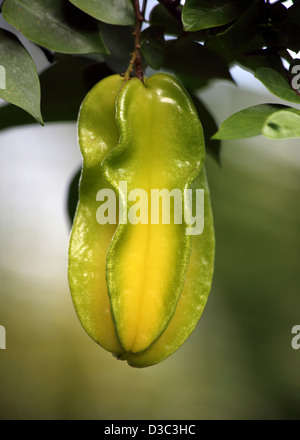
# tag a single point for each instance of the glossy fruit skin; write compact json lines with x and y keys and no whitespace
{"x":195,"y":292}
{"x":89,"y":241}
{"x":139,"y":290}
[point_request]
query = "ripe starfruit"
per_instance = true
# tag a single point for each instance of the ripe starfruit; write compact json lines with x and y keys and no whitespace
{"x":139,"y":287}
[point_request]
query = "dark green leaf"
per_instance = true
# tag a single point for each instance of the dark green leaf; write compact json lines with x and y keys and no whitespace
{"x":204,"y":14}
{"x":112,"y":12}
{"x":160,"y":16}
{"x":277,"y":84}
{"x":277,"y":12}
{"x":61,"y":98}
{"x":213,"y":146}
{"x":263,"y":59}
{"x":291,"y":27}
{"x":291,"y":32}
{"x":284,"y":124}
{"x":248,"y":122}
{"x":243,"y":36}
{"x":195,"y":65}
{"x":20,"y":85}
{"x":293,"y":14}
{"x":12,"y":116}
{"x":153,"y":46}
{"x":120,"y":42}
{"x":55,"y":24}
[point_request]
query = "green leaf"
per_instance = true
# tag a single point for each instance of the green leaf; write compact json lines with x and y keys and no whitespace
{"x":194,"y":64}
{"x":248,"y":122}
{"x":204,"y":14}
{"x":284,"y":124}
{"x":61,"y":98}
{"x":160,"y":16}
{"x":277,"y":84}
{"x":55,"y":24}
{"x":113,"y":12}
{"x":22,"y":86}
{"x":153,"y":46}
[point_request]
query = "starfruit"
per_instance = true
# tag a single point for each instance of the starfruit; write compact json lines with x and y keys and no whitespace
{"x":139,"y":288}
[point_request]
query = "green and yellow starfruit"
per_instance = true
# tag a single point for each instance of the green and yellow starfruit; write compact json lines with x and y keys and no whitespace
{"x":139,"y":287}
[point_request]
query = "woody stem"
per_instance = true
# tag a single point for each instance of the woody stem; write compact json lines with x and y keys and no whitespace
{"x":137,"y":42}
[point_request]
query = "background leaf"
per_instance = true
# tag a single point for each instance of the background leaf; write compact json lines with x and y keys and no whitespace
{"x":242,"y":37}
{"x":22,"y":82}
{"x":120,"y":43}
{"x":112,"y":12}
{"x":61,"y":98}
{"x":291,"y":27}
{"x":194,"y":64}
{"x":161,"y":16}
{"x":204,"y":14}
{"x":256,"y":61}
{"x":213,"y":146}
{"x":284,"y":124}
{"x":277,"y":84}
{"x":153,"y":46}
{"x":248,"y":122}
{"x":55,"y":24}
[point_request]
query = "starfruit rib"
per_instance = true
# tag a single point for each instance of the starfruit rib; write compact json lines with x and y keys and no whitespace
{"x":161,"y":146}
{"x":89,"y":241}
{"x":195,"y":292}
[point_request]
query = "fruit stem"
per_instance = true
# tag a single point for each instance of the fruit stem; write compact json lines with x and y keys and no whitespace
{"x":136,"y":58}
{"x":137,"y":44}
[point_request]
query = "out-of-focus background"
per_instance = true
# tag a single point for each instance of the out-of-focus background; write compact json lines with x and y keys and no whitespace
{"x":239,"y":362}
